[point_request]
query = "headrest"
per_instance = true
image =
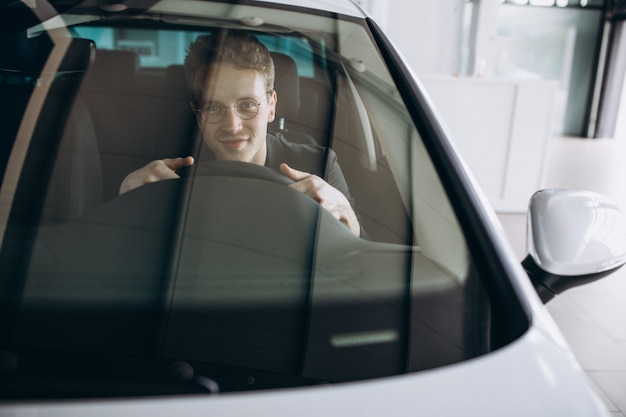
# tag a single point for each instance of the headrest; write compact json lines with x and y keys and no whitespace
{"x":176,"y":81}
{"x":112,"y":69}
{"x":287,"y":86}
{"x":29,"y":55}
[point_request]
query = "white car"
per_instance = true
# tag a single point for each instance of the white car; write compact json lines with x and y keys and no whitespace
{"x":226,"y":292}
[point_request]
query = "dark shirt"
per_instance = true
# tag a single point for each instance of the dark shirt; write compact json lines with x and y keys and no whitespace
{"x":313,"y":159}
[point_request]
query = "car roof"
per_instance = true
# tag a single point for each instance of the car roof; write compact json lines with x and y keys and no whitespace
{"x":259,"y":12}
{"x":347,"y":7}
{"x":14,"y":17}
{"x":198,"y":7}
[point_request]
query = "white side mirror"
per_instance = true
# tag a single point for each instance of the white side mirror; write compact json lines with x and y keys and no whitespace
{"x":574,"y":237}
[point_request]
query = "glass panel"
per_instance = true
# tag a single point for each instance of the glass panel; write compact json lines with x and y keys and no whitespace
{"x":552,"y":43}
{"x":230,"y":268}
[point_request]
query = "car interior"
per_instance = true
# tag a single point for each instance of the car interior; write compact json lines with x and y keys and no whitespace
{"x":157,"y":273}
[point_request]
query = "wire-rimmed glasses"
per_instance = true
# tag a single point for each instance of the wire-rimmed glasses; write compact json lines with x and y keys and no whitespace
{"x":245,"y":109}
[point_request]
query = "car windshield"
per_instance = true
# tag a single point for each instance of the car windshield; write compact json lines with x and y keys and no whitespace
{"x":226,"y":277}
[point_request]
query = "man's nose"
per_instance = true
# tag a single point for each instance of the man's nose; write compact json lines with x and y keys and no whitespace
{"x":231,"y":122}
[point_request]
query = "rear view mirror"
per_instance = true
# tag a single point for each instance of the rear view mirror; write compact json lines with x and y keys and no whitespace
{"x":573,"y":238}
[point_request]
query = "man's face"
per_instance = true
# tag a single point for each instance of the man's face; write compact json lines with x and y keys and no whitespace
{"x":234,"y":138}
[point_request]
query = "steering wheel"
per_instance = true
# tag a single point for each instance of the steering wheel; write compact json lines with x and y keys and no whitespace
{"x":238,"y":169}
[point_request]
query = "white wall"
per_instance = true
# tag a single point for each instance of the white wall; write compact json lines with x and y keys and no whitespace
{"x":499,"y":126}
{"x":427,"y":32}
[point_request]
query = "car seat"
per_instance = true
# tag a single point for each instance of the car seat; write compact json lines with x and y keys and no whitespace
{"x":287,"y":86}
{"x":137,"y":117}
{"x":46,"y":176}
{"x":62,"y":162}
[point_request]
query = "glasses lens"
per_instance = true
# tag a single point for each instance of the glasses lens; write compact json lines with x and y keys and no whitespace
{"x":213,"y":113}
{"x":247,"y":109}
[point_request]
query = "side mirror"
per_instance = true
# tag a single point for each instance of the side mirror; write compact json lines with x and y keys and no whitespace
{"x":573,"y":238}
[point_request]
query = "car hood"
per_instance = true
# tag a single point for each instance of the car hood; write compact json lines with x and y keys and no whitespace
{"x":534,"y":376}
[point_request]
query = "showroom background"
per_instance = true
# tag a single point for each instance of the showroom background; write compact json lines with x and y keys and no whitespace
{"x":531,"y":92}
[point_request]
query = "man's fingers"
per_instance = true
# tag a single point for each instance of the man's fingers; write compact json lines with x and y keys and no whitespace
{"x":294,"y":174}
{"x":328,"y":196}
{"x":165,"y":169}
{"x":162,"y":169}
{"x":178,"y":163}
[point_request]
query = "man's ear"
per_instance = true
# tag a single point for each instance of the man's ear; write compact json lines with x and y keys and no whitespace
{"x":273,"y":98}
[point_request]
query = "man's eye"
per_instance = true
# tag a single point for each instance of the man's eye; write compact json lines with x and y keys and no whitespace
{"x":247,"y":105}
{"x":214,"y":108}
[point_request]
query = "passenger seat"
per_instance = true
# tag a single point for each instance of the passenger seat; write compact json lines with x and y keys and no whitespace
{"x":62,"y":163}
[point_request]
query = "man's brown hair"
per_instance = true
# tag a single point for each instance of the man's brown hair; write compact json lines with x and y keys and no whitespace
{"x":239,"y":49}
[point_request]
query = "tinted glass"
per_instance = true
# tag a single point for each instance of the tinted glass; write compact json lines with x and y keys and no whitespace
{"x":227,"y":273}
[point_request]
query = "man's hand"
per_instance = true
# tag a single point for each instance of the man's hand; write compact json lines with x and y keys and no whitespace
{"x":162,"y":169}
{"x":328,"y":196}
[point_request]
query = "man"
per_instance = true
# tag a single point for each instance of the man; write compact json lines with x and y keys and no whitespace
{"x":231,"y":79}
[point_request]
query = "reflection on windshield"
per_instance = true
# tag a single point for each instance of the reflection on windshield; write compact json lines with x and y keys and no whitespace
{"x":225,"y":269}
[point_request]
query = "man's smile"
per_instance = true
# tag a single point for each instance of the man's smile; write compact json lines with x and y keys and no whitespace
{"x":234,"y":144}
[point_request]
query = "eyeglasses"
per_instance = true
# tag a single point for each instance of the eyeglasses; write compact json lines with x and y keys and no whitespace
{"x":245,"y":108}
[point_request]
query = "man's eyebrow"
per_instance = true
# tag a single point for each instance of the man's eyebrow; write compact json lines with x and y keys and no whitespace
{"x":204,"y":103}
